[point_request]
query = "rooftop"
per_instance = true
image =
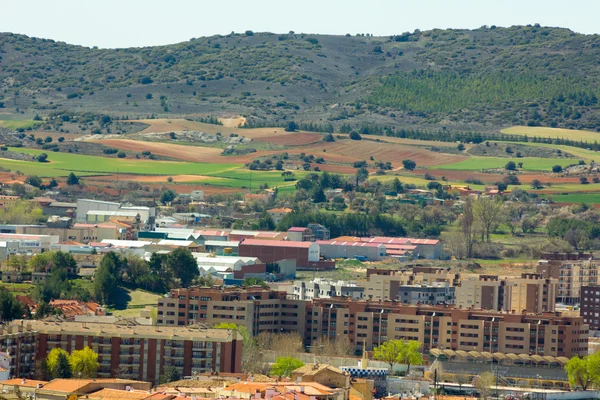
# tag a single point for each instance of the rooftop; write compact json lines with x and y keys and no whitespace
{"x":275,"y":243}
{"x":163,"y":332}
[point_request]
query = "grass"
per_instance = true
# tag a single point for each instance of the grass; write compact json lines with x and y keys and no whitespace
{"x":61,"y":164}
{"x":19,"y":124}
{"x":242,"y":178}
{"x":19,"y":288}
{"x":577,"y":198}
{"x":552,"y":133}
{"x":478,"y":163}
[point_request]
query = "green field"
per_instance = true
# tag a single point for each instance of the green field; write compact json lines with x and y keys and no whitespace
{"x":19,"y":124}
{"x":477,"y":163}
{"x":243,"y":178}
{"x":552,"y":133}
{"x":588,"y":198}
{"x":61,"y":164}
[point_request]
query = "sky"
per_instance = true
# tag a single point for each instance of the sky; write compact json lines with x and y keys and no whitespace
{"x":135,"y":23}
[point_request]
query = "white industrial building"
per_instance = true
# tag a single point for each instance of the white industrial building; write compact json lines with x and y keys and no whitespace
{"x":321,"y":288}
{"x":360,"y":250}
{"x":27,"y":244}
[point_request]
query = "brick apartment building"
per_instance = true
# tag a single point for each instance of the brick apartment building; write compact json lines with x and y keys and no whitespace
{"x":545,"y":334}
{"x":590,"y":306}
{"x":255,"y":308}
{"x":529,"y":293}
{"x":572,"y":270}
{"x":136,"y":352}
{"x":374,"y":322}
{"x":384,"y":284}
{"x":21,"y":345}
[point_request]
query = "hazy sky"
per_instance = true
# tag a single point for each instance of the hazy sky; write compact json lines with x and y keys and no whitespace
{"x":125,"y":23}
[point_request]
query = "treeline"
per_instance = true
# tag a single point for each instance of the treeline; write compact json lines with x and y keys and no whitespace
{"x":300,"y":126}
{"x":347,"y":224}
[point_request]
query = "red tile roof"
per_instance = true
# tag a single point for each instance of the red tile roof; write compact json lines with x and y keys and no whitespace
{"x":275,"y":243}
{"x":353,"y":244}
{"x":297,"y":229}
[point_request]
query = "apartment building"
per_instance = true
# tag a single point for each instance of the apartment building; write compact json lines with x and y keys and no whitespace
{"x":372,"y":323}
{"x":19,"y":343}
{"x":138,"y":352}
{"x":590,"y":306}
{"x":321,"y":288}
{"x":384,"y":284}
{"x":572,"y":270}
{"x":257,"y":309}
{"x":435,"y":293}
{"x":529,"y":293}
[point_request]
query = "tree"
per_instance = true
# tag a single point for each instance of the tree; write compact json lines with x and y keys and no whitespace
{"x":389,"y":352}
{"x":48,"y":139}
{"x":488,"y":212}
{"x":355,"y":136}
{"x":409,"y":164}
{"x":170,"y":374}
{"x":247,"y":282}
{"x":585,"y":371}
{"x":329,"y":138}
{"x":53,"y":183}
{"x":121,"y":154}
{"x":510,"y":166}
{"x":557,"y":169}
{"x":318,"y":195}
{"x":466,"y":223}
{"x":10,"y":308}
{"x":167,"y":196}
{"x":84,"y":363}
{"x":61,"y":139}
{"x":72,"y":179}
{"x":291,"y":127}
{"x":484,"y":383}
{"x":34,"y":181}
{"x":362,"y":174}
{"x":460,"y":147}
{"x":285,"y":365}
{"x":105,"y":279}
{"x":583,"y":180}
{"x":58,"y":363}
{"x":536,"y":184}
{"x":183,"y":265}
{"x":42,"y":157}
{"x":410,"y":354}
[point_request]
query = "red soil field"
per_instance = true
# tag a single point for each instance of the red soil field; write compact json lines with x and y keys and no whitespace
{"x":395,"y":153}
{"x":293,"y":139}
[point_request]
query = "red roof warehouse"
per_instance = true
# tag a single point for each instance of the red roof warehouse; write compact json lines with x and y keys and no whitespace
{"x":276,"y":250}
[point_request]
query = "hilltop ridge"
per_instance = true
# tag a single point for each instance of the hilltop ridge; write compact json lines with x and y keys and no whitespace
{"x":481,"y":79}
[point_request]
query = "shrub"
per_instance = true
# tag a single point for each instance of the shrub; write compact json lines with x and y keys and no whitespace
{"x":583,"y":180}
{"x":557,"y":169}
{"x":409,"y":164}
{"x":42,"y":157}
{"x":511,"y":166}
{"x":121,"y":154}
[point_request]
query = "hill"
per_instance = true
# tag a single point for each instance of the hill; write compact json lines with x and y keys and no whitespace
{"x":481,"y":79}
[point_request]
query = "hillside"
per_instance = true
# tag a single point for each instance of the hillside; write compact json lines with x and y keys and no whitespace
{"x":480,"y":79}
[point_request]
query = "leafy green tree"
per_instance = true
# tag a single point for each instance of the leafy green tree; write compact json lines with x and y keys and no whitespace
{"x":183,"y":266}
{"x":318,"y":195}
{"x":10,"y":308}
{"x":291,"y":127}
{"x":284,"y":366}
{"x":254,"y":282}
{"x":362,"y":174}
{"x":399,"y":352}
{"x":84,"y":363}
{"x":355,"y":135}
{"x":105,"y":280}
{"x":583,"y":372}
{"x":72,"y":179}
{"x":170,"y":374}
{"x":329,"y":138}
{"x":42,"y":157}
{"x":167,"y":196}
{"x":510,"y":166}
{"x":34,"y":181}
{"x":58,"y":363}
{"x":409,"y":164}
{"x":557,"y":169}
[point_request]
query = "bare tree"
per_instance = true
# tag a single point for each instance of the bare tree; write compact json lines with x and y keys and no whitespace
{"x":334,"y":348}
{"x":466,"y":223}
{"x":283,"y":344}
{"x":488,"y":213}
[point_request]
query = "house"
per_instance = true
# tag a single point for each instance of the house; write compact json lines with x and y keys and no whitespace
{"x":299,"y":234}
{"x":277,"y":214}
{"x":323,"y":374}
